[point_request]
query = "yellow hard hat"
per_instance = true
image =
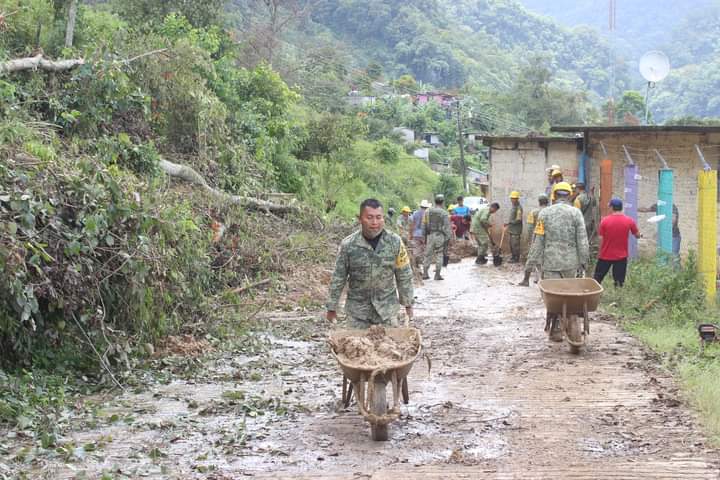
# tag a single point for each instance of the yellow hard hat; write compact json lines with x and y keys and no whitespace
{"x":555,"y":173}
{"x":515,"y":194}
{"x":451,"y":207}
{"x":562,"y":186}
{"x":405,"y":209}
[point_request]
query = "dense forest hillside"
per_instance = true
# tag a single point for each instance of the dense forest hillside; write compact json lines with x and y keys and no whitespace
{"x":640,"y":25}
{"x":689,"y":38}
{"x":451,"y":43}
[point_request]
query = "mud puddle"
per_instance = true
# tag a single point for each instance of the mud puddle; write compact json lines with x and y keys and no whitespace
{"x":500,"y":401}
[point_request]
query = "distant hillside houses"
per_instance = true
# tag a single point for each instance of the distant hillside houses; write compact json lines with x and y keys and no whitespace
{"x":443,"y":99}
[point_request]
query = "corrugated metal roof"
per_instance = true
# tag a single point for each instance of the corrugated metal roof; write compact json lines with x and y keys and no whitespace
{"x":637,"y":129}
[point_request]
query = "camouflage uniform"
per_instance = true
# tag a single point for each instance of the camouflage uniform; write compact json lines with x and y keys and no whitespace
{"x":418,"y":238}
{"x":436,"y":223}
{"x":372,"y":276}
{"x":404,"y":225}
{"x":584,"y":203}
{"x":515,"y":224}
{"x":479,"y":228}
{"x":560,"y":246}
{"x":531,"y":221}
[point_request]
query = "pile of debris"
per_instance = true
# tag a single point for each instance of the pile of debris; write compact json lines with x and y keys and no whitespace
{"x":375,"y":348}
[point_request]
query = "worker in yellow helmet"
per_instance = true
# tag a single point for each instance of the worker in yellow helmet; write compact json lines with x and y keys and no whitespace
{"x":560,"y":247}
{"x":404,"y":224}
{"x":555,"y":177}
{"x":514,"y":226}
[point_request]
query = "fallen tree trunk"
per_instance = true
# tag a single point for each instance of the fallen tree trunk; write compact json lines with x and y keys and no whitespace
{"x":38,"y":62}
{"x":189,"y":175}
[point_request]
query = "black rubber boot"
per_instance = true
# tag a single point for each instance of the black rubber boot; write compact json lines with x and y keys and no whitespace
{"x":437,"y":276}
{"x":425,"y":275}
{"x":481,"y":260}
{"x":526,"y":280}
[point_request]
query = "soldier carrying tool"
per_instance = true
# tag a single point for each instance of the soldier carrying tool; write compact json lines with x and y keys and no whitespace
{"x":514,"y":226}
{"x":480,"y":230}
{"x":531,"y":221}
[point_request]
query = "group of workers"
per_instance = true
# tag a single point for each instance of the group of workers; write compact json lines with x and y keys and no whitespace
{"x":377,"y":264}
{"x":427,"y":232}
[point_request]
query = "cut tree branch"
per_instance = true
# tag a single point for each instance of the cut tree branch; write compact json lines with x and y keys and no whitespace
{"x":38,"y":62}
{"x":191,"y":176}
{"x":143,"y":55}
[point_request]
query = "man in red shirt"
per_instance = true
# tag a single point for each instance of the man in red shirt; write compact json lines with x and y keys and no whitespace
{"x":614,"y":230}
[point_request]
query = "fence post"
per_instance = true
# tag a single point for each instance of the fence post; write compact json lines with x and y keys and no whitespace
{"x":665,"y":207}
{"x":707,"y":228}
{"x":606,"y":186}
{"x":631,"y":199}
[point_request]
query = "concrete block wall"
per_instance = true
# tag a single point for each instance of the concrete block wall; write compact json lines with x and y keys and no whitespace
{"x":678,"y":148}
{"x":522,"y":166}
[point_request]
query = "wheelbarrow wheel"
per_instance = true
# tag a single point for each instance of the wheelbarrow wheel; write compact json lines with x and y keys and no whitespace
{"x":574,"y":334}
{"x":379,"y":433}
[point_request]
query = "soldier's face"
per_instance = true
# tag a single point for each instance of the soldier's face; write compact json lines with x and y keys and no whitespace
{"x":372,"y":221}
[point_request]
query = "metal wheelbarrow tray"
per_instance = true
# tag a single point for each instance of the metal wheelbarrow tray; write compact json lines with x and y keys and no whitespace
{"x":566,"y":297}
{"x":571,"y":296}
{"x":369,"y":383}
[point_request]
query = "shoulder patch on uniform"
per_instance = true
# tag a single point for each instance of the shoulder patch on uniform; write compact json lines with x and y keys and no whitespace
{"x":403,"y":259}
{"x":540,"y":228}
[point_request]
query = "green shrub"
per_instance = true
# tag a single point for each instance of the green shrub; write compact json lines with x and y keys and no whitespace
{"x":387,"y":151}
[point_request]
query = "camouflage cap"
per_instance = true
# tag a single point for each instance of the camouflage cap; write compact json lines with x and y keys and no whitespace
{"x":439,"y":197}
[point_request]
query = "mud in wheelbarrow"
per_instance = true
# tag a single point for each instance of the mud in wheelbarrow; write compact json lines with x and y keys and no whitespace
{"x":369,"y":383}
{"x":567,"y":299}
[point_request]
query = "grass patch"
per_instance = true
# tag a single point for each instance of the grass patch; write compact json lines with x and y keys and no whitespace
{"x":662,"y":306}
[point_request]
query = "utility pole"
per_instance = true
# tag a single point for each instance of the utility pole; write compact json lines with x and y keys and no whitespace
{"x":462,"y":148}
{"x":612,"y":19}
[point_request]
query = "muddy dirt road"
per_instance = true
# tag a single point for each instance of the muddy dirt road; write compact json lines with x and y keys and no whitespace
{"x":500,"y":402}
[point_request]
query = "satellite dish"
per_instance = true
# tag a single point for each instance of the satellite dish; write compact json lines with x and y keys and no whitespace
{"x":654,"y":66}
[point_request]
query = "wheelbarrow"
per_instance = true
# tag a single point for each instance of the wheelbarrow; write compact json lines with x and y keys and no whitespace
{"x":566,"y":300}
{"x":370,"y":383}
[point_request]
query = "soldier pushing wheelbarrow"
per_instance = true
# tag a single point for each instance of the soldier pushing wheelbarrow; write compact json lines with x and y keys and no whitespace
{"x":375,"y":265}
{"x":560,"y":248}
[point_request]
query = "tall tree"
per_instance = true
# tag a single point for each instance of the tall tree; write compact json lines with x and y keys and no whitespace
{"x":70,"y":28}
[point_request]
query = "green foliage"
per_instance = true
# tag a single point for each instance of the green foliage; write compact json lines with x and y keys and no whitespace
{"x":19,"y":31}
{"x":120,"y":150}
{"x":540,"y":104}
{"x":663,"y":287}
{"x":340,"y":184}
{"x":78,"y":249}
{"x":436,"y":42}
{"x":33,"y":401}
{"x":662,"y":305}
{"x":450,"y":186}
{"x":149,"y":13}
{"x":387,"y":151}
{"x":631,"y":105}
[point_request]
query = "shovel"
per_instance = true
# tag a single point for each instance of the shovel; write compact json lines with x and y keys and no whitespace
{"x":497,"y":250}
